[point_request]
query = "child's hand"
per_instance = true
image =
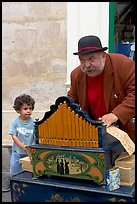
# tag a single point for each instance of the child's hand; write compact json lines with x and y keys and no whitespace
{"x":24,"y":149}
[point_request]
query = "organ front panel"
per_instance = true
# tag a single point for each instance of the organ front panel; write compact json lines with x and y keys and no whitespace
{"x":67,"y":135}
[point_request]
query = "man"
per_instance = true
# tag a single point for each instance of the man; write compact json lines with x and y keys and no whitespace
{"x":104,"y":85}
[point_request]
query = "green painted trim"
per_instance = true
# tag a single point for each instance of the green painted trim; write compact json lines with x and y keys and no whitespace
{"x":111,"y":26}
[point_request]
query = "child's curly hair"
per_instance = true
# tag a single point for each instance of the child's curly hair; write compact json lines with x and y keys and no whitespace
{"x":23,"y":99}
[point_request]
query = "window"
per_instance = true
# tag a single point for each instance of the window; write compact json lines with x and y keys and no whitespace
{"x":124,"y":28}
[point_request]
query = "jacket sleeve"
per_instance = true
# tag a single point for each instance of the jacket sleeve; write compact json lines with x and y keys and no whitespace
{"x":125,"y":111}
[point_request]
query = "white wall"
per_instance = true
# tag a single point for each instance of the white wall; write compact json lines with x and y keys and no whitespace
{"x":85,"y":18}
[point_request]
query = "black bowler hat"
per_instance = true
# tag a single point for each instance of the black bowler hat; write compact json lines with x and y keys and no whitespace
{"x":89,"y":44}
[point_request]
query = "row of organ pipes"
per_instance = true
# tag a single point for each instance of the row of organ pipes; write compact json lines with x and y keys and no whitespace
{"x":66,"y":128}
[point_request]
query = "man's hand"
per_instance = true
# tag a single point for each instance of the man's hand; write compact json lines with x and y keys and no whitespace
{"x":109,"y":119}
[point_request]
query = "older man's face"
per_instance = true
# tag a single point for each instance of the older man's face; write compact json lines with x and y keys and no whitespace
{"x":93,"y":63}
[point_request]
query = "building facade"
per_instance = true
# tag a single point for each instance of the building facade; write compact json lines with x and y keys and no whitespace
{"x":38,"y":41}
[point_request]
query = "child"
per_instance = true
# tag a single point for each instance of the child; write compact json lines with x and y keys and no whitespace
{"x":22,"y":131}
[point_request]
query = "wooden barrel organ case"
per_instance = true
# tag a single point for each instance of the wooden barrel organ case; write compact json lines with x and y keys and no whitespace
{"x":70,"y":144}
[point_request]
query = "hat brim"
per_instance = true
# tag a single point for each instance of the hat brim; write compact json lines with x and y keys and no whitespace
{"x":89,"y":51}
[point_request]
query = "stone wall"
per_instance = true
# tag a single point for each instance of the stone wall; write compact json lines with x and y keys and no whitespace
{"x":34,"y":51}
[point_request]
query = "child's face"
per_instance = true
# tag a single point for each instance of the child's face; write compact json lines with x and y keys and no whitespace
{"x":25,"y":111}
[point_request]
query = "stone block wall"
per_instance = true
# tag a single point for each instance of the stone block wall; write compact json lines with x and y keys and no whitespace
{"x":34,"y":51}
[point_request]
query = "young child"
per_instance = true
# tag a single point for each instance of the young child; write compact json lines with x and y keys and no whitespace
{"x":22,"y":131}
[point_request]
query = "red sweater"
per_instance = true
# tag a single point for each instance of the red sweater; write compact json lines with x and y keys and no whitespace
{"x":95,"y":96}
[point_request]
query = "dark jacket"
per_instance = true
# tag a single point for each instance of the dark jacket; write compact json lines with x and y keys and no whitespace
{"x":119,"y":90}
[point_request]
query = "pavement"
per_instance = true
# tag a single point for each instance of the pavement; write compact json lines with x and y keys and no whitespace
{"x":6,"y":152}
{"x":6,"y":198}
{"x":6,"y":194}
